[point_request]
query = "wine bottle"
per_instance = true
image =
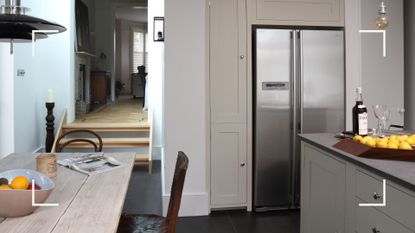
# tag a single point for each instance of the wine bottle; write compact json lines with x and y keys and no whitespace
{"x":359,"y":115}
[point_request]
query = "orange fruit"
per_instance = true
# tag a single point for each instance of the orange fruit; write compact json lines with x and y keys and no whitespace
{"x":4,"y":187}
{"x":19,"y":182}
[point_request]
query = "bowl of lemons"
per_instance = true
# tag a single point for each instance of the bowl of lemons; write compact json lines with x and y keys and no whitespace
{"x":401,"y":142}
{"x":16,"y":191}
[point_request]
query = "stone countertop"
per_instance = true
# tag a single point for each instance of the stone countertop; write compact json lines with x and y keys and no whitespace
{"x":400,"y":172}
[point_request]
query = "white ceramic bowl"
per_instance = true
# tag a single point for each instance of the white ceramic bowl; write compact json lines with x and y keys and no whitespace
{"x":15,"y":203}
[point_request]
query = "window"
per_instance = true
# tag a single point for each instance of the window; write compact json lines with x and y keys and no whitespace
{"x":140,"y":54}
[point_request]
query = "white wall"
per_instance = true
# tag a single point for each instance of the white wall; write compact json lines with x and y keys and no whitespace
{"x":155,"y":77}
{"x":409,"y":64}
{"x":381,"y":78}
{"x":6,"y":101}
{"x":104,"y":39}
{"x":51,"y":68}
{"x":185,"y":107}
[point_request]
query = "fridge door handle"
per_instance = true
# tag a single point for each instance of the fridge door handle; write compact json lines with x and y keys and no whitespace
{"x":301,"y":81}
{"x":293,"y":80}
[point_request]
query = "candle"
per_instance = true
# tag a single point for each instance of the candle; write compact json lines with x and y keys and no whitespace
{"x":50,"y":96}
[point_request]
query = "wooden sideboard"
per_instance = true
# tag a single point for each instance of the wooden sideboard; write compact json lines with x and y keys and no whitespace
{"x":100,"y":87}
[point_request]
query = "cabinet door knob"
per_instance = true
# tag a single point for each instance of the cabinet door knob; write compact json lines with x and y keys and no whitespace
{"x":377,"y":196}
{"x":242,"y":57}
{"x":242,"y":164}
{"x":375,"y":230}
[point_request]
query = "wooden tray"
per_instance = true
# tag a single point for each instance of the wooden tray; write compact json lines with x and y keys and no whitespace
{"x":358,"y":149}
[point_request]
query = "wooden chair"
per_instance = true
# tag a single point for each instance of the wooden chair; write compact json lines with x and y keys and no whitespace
{"x":153,"y":223}
{"x":96,"y":144}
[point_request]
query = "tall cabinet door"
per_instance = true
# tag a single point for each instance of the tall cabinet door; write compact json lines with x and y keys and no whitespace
{"x":227,"y":60}
{"x":228,"y":169}
{"x":227,"y":82}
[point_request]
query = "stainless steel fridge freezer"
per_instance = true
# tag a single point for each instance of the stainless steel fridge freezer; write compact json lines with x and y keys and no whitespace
{"x":299,"y":88}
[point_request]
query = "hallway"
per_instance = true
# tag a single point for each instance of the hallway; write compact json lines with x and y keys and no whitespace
{"x":124,"y":110}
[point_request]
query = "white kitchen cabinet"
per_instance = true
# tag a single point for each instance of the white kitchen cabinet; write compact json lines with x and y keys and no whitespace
{"x":323,"y":186}
{"x":227,"y":61}
{"x":299,"y":12}
{"x":369,"y":219}
{"x":228,"y":165}
{"x":228,"y":103}
{"x":333,"y":188}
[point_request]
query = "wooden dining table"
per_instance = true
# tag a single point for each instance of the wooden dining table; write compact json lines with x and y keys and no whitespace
{"x":86,"y":203}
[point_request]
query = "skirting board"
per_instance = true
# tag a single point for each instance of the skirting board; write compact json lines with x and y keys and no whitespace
{"x":193,"y":204}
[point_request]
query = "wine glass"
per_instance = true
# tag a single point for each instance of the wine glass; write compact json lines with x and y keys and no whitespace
{"x":385,"y":118}
{"x":379,"y":111}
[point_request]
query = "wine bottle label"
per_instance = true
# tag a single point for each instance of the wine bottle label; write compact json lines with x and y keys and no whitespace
{"x":362,"y":118}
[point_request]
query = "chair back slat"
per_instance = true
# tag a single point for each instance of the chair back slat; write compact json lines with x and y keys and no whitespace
{"x":97,"y":148}
{"x":182,"y":163}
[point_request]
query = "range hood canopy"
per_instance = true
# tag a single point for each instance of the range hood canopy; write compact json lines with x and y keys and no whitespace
{"x":16,"y":26}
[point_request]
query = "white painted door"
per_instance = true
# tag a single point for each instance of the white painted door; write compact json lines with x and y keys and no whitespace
{"x":228,"y":165}
{"x":227,"y":61}
{"x":227,"y":82}
{"x":323,"y":187}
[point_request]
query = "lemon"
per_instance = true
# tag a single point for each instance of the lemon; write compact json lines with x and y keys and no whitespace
{"x":357,"y":138}
{"x":371,"y":142}
{"x":20,"y":182}
{"x":393,"y":136}
{"x":4,"y":187}
{"x":411,"y":140}
{"x":393,"y":145}
{"x":394,"y":140}
{"x":402,"y":137}
{"x":382,"y":144}
{"x":405,"y":146}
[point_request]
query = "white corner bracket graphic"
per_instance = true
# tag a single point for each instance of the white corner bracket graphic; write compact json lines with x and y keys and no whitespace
{"x":383,"y":204}
{"x":383,"y":34}
{"x":40,"y":204}
{"x":34,"y":40}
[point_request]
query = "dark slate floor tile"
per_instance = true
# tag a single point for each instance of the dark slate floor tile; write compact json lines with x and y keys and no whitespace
{"x":205,"y":224}
{"x":274,"y":221}
{"x":144,"y":191}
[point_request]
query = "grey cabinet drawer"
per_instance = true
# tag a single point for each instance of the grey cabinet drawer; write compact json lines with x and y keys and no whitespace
{"x":369,"y":220}
{"x":400,"y":203}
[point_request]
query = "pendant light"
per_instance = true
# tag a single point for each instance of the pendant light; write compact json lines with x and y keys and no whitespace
{"x":16,"y":26}
{"x":381,"y":20}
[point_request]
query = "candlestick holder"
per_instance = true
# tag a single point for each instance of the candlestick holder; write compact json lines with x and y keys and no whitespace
{"x":50,"y":123}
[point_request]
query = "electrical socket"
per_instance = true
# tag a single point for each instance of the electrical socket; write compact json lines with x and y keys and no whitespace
{"x":21,"y":72}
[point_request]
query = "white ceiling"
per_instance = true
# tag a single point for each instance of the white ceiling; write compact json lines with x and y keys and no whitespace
{"x":138,"y":14}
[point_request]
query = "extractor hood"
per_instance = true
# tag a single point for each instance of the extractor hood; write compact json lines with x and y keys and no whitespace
{"x":16,"y":26}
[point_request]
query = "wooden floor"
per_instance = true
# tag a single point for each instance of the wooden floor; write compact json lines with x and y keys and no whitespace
{"x":124,"y":110}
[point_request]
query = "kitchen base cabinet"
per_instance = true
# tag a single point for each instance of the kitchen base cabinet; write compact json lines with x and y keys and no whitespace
{"x":369,"y":219}
{"x":333,"y":188}
{"x":323,"y":192}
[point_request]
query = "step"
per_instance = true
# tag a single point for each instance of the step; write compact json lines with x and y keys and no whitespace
{"x":142,"y":158}
{"x":111,"y":142}
{"x":108,"y":127}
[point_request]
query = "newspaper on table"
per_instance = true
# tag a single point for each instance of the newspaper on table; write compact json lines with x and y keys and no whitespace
{"x":91,"y":163}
